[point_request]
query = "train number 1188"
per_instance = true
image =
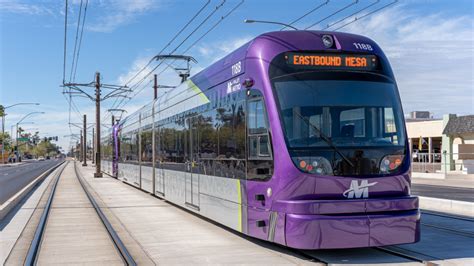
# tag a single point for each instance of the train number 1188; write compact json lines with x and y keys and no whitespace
{"x":363,"y":46}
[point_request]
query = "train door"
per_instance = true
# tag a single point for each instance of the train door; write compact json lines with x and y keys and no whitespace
{"x":192,"y":164}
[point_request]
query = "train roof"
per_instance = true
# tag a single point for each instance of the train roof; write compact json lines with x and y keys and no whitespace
{"x":265,"y":47}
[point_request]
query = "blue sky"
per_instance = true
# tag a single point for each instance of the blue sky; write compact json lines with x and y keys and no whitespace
{"x":429,"y":43}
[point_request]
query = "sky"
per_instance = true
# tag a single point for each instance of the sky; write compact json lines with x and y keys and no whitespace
{"x":430,"y":44}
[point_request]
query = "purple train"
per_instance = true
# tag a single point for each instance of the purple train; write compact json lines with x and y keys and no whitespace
{"x":297,"y":138}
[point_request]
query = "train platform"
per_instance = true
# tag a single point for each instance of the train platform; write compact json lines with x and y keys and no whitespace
{"x":170,"y":235}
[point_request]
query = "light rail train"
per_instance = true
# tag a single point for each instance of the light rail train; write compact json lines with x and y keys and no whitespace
{"x":297,"y":137}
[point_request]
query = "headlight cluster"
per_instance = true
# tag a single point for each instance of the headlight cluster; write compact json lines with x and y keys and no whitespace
{"x":390,"y":163}
{"x":314,"y":165}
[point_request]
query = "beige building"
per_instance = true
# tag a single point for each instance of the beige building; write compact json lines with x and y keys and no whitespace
{"x":448,"y":141}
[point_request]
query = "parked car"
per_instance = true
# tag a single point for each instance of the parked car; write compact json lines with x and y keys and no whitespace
{"x":41,"y":158}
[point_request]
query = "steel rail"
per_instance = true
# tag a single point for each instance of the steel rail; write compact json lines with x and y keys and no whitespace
{"x":399,"y":253}
{"x":125,"y":254}
{"x":36,"y":243}
{"x":452,"y":216}
{"x":454,"y":231}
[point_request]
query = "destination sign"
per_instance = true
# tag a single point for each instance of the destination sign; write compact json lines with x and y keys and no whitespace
{"x":340,"y":61}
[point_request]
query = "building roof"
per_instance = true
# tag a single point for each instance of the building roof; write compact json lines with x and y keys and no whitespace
{"x":460,"y":125}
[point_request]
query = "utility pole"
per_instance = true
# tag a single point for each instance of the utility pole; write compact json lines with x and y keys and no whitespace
{"x":93,"y":146}
{"x":81,"y":151}
{"x":97,"y":173}
{"x":84,"y":142}
{"x":115,"y":91}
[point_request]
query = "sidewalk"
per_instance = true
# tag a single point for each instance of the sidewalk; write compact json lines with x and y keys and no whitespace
{"x":455,"y":180}
{"x":11,"y":164}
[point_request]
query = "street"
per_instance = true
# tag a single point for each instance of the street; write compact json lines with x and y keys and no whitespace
{"x":443,"y":192}
{"x":14,"y":178}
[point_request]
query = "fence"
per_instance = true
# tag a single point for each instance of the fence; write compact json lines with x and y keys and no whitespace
{"x":443,"y":162}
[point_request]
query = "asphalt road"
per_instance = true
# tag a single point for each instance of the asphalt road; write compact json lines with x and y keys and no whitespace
{"x":14,"y":178}
{"x":443,"y":192}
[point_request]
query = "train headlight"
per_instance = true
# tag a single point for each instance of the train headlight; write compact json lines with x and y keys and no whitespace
{"x":314,"y":165}
{"x":390,"y":163}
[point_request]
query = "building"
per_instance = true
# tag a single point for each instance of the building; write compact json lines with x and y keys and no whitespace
{"x":448,"y":141}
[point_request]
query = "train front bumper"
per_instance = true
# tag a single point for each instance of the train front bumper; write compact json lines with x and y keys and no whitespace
{"x":326,"y":224}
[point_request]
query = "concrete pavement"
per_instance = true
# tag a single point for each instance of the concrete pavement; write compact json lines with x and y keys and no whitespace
{"x":14,"y":178}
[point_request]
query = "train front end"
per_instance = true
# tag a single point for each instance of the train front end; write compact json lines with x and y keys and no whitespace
{"x":342,"y":171}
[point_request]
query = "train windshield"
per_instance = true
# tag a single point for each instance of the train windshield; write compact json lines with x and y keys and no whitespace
{"x":348,"y":118}
{"x":350,"y":113}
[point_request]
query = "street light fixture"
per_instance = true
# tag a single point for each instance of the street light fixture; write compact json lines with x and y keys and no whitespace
{"x":14,"y":125}
{"x":16,"y":142}
{"x":269,"y":22}
{"x":3,"y":114}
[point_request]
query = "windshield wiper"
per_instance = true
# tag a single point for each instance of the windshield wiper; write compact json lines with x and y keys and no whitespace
{"x":325,"y":138}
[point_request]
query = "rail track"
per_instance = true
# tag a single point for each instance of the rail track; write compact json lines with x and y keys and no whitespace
{"x":40,"y":233}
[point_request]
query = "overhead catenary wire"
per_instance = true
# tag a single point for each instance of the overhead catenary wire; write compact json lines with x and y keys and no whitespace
{"x":80,"y":40}
{"x":355,"y":13}
{"x":77,"y":37}
{"x":171,"y":41}
{"x":366,"y":15}
{"x":306,"y":14}
{"x":65,"y":41}
{"x":114,"y":104}
{"x":135,"y":86}
{"x":192,"y":45}
{"x":332,"y":14}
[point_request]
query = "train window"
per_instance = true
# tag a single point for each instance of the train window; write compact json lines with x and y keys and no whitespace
{"x":146,"y":146}
{"x":260,"y":161}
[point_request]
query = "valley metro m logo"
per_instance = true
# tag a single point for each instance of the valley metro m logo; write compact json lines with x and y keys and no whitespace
{"x":357,"y":191}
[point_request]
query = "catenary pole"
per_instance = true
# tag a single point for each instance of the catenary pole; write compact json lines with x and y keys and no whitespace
{"x":81,"y":147}
{"x":84,"y":141}
{"x":93,"y":146}
{"x":97,"y":121}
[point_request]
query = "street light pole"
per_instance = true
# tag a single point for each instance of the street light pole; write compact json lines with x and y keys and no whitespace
{"x":2,"y":109}
{"x":21,"y":120}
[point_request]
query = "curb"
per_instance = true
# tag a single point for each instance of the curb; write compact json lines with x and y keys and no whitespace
{"x":463,"y":208}
{"x":8,"y":205}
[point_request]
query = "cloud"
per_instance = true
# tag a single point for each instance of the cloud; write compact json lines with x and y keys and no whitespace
{"x":122,"y":12}
{"x":211,"y":52}
{"x":432,"y":57}
{"x":12,"y":6}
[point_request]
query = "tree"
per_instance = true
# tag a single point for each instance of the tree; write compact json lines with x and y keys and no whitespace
{"x":5,"y":138}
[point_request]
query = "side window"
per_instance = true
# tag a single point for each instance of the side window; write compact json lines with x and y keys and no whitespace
{"x":260,"y":159}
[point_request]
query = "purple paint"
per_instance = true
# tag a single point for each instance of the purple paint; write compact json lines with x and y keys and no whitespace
{"x":311,"y":211}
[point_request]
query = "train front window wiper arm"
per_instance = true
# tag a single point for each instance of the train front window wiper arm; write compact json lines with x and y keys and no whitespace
{"x":325,"y":138}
